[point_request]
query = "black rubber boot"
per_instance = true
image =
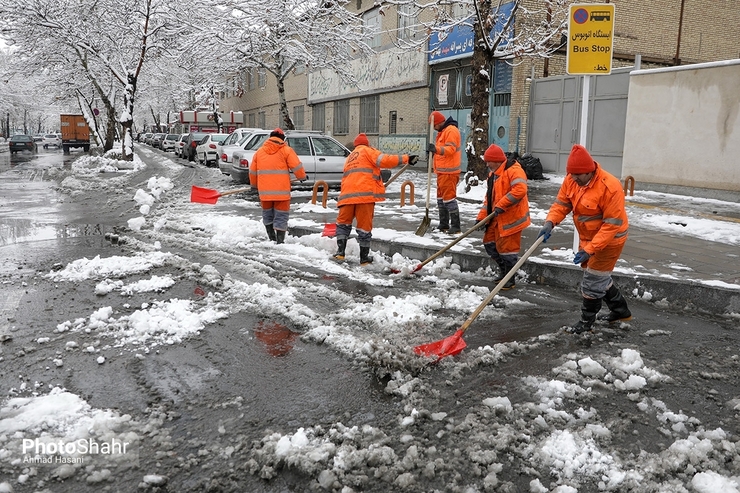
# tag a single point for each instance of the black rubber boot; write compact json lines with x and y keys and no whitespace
{"x":365,"y":257}
{"x":454,"y":223}
{"x":341,"y":247}
{"x":279,"y":236}
{"x":501,"y":271}
{"x":270,"y":232}
{"x":444,"y":220}
{"x":511,"y":283}
{"x":618,"y":311}
{"x":589,"y":309}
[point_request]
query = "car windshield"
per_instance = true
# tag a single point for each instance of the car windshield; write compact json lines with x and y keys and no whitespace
{"x":50,"y":136}
{"x":219,"y":138}
{"x":21,"y":138}
{"x":244,"y":138}
{"x":256,"y":141}
{"x":172,"y":137}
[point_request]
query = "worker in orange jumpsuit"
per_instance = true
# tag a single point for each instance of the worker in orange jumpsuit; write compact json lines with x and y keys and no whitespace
{"x":269,"y":173}
{"x":362,"y":186}
{"x":596,"y":199}
{"x":506,"y":199}
{"x":447,"y":150}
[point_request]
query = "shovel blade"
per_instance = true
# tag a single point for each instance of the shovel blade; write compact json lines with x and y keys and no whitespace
{"x":330,"y":230}
{"x":449,"y":346}
{"x":203,"y":195}
{"x":424,"y":226}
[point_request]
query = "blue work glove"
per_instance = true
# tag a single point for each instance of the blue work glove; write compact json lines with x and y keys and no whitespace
{"x":581,"y":257}
{"x":413,"y":159}
{"x":432,"y":148}
{"x":546,"y":231}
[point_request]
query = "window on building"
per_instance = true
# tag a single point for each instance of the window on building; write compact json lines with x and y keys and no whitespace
{"x":502,"y":76}
{"x":318,"y":117}
{"x":372,"y":20}
{"x":461,"y":10}
{"x":261,"y":77}
{"x":252,"y":120}
{"x":251,"y":80}
{"x":392,"y":122}
{"x":407,"y":20}
{"x":299,"y":68}
{"x":299,"y":119}
{"x":369,"y":114}
{"x":261,"y":119}
{"x":341,"y":117}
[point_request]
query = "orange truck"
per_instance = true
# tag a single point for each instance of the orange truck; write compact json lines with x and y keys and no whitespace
{"x":75,"y":132}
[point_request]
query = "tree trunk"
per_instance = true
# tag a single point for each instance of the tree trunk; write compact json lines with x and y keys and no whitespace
{"x":481,"y":95}
{"x":284,"y":113}
{"x":127,"y":118}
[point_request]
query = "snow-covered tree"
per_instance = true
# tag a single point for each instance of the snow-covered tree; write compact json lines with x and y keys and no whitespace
{"x":104,"y":44}
{"x":508,"y":30}
{"x":279,"y":35}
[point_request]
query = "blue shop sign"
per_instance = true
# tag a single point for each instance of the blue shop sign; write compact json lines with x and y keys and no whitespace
{"x":458,"y":41}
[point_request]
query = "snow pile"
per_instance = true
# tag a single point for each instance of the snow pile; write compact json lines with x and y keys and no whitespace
{"x":116,"y":266}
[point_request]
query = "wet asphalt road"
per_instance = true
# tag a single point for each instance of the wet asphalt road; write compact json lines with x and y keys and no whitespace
{"x":250,"y":376}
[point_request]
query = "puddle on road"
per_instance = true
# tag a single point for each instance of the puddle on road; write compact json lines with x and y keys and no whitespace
{"x":14,"y":230}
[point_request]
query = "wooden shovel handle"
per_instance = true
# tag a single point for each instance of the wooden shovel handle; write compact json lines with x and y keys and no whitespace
{"x":231,"y":192}
{"x":501,"y":283}
{"x":392,"y":178}
{"x":455,"y":241}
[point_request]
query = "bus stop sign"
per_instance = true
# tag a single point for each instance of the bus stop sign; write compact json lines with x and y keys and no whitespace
{"x":590,"y":39}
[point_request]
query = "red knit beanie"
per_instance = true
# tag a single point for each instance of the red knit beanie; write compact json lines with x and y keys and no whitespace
{"x":361,"y":140}
{"x":494,"y":154}
{"x":437,"y":117}
{"x":580,"y":161}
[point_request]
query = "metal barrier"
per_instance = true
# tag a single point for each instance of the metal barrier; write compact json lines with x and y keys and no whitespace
{"x":631,"y":181}
{"x":403,"y":192}
{"x":316,"y":191}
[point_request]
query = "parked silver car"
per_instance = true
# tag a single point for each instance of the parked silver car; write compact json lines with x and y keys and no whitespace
{"x":322,"y":156}
{"x":234,"y":142}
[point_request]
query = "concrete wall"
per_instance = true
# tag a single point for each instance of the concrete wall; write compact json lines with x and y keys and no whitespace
{"x":683,"y":126}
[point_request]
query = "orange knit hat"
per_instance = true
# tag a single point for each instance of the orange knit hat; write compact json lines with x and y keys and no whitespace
{"x":437,"y":117}
{"x":494,"y":154}
{"x":361,"y":140}
{"x":580,"y":161}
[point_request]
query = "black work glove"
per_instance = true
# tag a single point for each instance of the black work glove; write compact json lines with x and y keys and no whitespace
{"x":432,"y":148}
{"x":413,"y":159}
{"x":497,"y":211}
{"x":483,"y":226}
{"x":546,"y":231}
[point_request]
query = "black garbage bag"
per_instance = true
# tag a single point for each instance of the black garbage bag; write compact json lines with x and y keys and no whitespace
{"x":532,"y":167}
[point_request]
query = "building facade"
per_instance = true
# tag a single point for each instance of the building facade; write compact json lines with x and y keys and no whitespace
{"x":396,"y":91}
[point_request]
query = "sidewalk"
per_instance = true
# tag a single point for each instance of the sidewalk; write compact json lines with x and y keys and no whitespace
{"x":667,"y":257}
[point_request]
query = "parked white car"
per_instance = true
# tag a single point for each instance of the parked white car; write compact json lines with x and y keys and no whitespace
{"x":234,"y":142}
{"x":205,"y":151}
{"x":169,"y":142}
{"x":179,"y":145}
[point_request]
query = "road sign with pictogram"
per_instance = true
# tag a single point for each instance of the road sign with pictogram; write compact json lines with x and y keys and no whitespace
{"x":590,"y":39}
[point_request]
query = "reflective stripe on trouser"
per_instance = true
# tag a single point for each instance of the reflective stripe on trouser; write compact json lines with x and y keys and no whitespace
{"x":276,"y":212}
{"x":597,"y":276}
{"x":363,"y":213}
{"x":447,"y":189}
{"x":505,"y":248}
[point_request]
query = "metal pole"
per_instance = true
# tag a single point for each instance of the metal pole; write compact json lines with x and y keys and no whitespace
{"x":583,"y":136}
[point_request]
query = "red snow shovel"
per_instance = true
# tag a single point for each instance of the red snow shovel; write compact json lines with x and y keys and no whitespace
{"x":452,"y":243}
{"x":208,"y":196}
{"x":452,"y":345}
